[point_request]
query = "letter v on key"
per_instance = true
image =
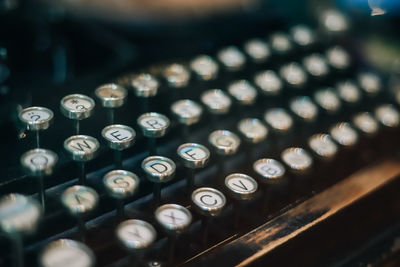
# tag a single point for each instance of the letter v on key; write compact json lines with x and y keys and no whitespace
{"x":241,"y":186}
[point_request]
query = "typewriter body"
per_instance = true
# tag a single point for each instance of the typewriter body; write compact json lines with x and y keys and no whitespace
{"x":209,"y":133}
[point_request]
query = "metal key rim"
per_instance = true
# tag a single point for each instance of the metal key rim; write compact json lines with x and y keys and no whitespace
{"x":176,"y":229}
{"x":81,"y":156}
{"x":152,"y":132}
{"x":121,"y":193}
{"x":34,"y":125}
{"x":39,"y":171}
{"x":77,"y":114}
{"x":119,"y":145}
{"x":111,"y":102}
{"x":194,"y":164}
{"x":208,"y":211}
{"x":136,"y":222}
{"x":162,"y":177}
{"x":67,"y":242}
{"x":237,"y":194}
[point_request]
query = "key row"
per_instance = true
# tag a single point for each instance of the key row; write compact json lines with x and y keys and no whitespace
{"x":79,"y":107}
{"x":82,"y":148}
{"x":231,"y":58}
{"x":155,"y":125}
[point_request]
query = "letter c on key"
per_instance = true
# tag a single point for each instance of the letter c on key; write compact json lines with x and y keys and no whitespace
{"x":205,"y":203}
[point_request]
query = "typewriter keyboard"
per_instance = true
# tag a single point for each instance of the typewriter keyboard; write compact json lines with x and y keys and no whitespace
{"x":163,"y":163}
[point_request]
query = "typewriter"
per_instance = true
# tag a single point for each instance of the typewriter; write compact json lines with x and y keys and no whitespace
{"x":200,"y":133}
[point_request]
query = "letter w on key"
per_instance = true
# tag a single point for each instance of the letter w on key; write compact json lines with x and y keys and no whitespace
{"x":81,"y":146}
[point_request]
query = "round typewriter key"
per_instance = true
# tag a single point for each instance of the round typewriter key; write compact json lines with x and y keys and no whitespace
{"x":344,"y":134}
{"x":366,"y":123}
{"x":82,"y":148}
{"x":145,"y":85}
{"x":294,"y":75}
{"x":253,"y":130}
{"x":231,"y":58}
{"x":111,"y":96}
{"x":216,"y":101}
{"x":302,"y":36}
{"x":224,"y":142}
{"x":272,"y":175}
{"x":80,"y":200}
{"x":338,"y":58}
{"x":136,"y":236}
{"x":77,"y":107}
{"x":370,"y":83}
{"x":243,"y":92}
{"x":334,"y":22}
{"x":19,"y":216}
{"x":258,"y":50}
{"x":174,"y":219}
{"x":241,"y":186}
{"x":154,"y":264}
{"x":279,"y":120}
{"x":281,"y":124}
{"x":323,"y":146}
{"x":39,"y":163}
{"x":209,"y":202}
{"x":153,"y":125}
{"x":387,"y":115}
{"x":176,"y":75}
{"x":36,"y":119}
{"x":297,"y":159}
{"x":65,"y":253}
{"x":118,"y":137}
{"x":281,"y":43}
{"x":349,"y":92}
{"x":326,"y":151}
{"x":158,"y":170}
{"x":268,"y":82}
{"x":316,"y":65}
{"x":304,"y":108}
{"x":120,"y":184}
{"x":270,"y":171}
{"x":188,"y":113}
{"x":205,"y":67}
{"x":193,"y":156}
{"x":327,"y":99}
